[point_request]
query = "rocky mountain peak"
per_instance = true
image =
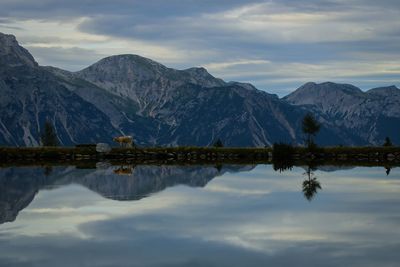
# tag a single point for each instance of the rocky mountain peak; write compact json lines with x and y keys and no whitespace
{"x":122,"y":67}
{"x":12,"y":54}
{"x":385,"y":91}
{"x":198,"y":71}
{"x":327,"y":87}
{"x":346,"y":88}
{"x":312,"y":93}
{"x":247,"y":86}
{"x":143,"y":80}
{"x":133,"y":68}
{"x":132,"y":60}
{"x":199,"y":75}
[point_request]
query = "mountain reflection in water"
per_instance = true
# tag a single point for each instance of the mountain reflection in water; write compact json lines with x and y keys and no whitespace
{"x":154,"y":216}
{"x":18,"y":186}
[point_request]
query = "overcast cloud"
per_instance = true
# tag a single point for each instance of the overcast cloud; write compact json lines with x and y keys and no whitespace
{"x":275,"y":45}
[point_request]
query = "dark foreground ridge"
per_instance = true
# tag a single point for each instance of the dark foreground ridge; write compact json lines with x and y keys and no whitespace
{"x":368,"y":156}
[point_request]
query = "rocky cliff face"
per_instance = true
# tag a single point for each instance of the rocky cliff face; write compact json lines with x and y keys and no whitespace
{"x":361,"y":117}
{"x":13,"y":55}
{"x":30,"y":95}
{"x":142,"y":80}
{"x":121,"y":112}
{"x":234,"y":114}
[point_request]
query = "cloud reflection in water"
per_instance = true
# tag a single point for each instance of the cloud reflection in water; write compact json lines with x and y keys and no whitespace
{"x":252,"y":218}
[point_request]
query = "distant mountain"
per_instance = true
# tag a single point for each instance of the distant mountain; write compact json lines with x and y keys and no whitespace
{"x":132,"y":95}
{"x":359,"y":117}
{"x":142,"y":80}
{"x":190,"y":107}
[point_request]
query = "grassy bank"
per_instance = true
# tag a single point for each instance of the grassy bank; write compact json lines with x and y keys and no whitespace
{"x":204,"y":155}
{"x":139,"y":155}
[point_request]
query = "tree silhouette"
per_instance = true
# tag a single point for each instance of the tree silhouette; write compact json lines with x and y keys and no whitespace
{"x":310,"y":185}
{"x":282,"y":157}
{"x":218,"y":166}
{"x":218,"y":143}
{"x":49,"y":137}
{"x":48,"y":170}
{"x":388,"y":142}
{"x":310,"y":127}
{"x":388,"y":169}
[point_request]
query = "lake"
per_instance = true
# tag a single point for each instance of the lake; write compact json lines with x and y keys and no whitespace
{"x":199,"y":216}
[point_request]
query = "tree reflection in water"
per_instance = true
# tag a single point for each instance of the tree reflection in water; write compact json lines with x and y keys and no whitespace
{"x":310,"y":185}
{"x":47,"y":170}
{"x":388,"y":169}
{"x":218,"y":166}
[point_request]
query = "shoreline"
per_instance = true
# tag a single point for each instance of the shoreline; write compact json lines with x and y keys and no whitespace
{"x":367,"y":156}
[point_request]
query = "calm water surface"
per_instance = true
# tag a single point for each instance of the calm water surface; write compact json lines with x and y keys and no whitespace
{"x":199,"y":216}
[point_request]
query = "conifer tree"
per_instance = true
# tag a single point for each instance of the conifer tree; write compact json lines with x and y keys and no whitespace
{"x":388,"y":142}
{"x":48,"y":136}
{"x":310,"y":127}
{"x":218,"y":143}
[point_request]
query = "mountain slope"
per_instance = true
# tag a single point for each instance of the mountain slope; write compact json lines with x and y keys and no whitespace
{"x":12,"y":54}
{"x":142,"y":80}
{"x":121,"y":111}
{"x":190,"y":107}
{"x":132,"y":95}
{"x":362,"y":117}
{"x":232,"y":113}
{"x":31,"y":95}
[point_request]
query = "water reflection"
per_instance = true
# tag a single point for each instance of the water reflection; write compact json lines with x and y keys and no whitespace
{"x":388,"y":169}
{"x":218,"y":167}
{"x":47,"y":170}
{"x":311,"y":184}
{"x":18,"y":186}
{"x":248,"y":216}
{"x":124,"y":170}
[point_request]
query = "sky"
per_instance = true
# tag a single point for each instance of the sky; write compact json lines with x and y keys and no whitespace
{"x":276,"y":45}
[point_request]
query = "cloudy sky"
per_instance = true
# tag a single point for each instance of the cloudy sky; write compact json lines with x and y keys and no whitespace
{"x":276,"y":45}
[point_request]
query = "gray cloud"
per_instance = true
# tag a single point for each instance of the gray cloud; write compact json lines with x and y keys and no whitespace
{"x":207,"y":32}
{"x":45,"y":9}
{"x":74,"y":58}
{"x":145,"y":10}
{"x":203,"y":32}
{"x":131,"y":241}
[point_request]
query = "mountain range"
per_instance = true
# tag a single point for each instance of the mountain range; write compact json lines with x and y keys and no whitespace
{"x":133,"y":95}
